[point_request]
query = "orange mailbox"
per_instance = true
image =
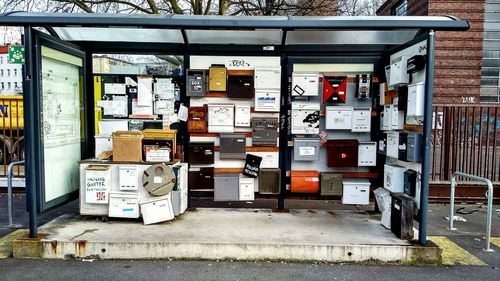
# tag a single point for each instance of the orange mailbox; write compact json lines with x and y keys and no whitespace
{"x":305,"y":181}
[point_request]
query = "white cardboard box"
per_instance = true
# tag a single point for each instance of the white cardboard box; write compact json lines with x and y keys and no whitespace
{"x":157,"y":209}
{"x":356,"y":191}
{"x":416,"y":96}
{"x":267,"y":77}
{"x":267,"y":100}
{"x":123,"y":205}
{"x":246,"y":189}
{"x":338,"y":117}
{"x":361,"y":119}
{"x":305,"y":118}
{"x":128,"y":178}
{"x":367,"y":153}
{"x":394,"y":178}
{"x":305,"y":84}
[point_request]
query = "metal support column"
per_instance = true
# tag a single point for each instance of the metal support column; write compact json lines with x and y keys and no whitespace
{"x":426,"y":157}
{"x":283,"y":133}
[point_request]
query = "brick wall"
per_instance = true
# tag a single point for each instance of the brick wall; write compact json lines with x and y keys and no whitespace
{"x":458,"y":54}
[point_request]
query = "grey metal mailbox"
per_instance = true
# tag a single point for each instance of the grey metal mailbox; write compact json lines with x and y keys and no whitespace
{"x":264,"y":131}
{"x":414,"y":148}
{"x":232,"y":146}
{"x":306,"y":149}
{"x":226,"y":187}
{"x":331,"y":184}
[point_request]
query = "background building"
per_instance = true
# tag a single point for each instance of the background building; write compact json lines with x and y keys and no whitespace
{"x":11,"y":82}
{"x":467,"y":63}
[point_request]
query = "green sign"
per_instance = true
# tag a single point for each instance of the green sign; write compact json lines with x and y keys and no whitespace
{"x":16,"y":54}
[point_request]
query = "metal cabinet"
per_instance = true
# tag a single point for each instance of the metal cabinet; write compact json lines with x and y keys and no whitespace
{"x":269,"y":181}
{"x":232,"y":146}
{"x":338,"y":117}
{"x":264,"y":131}
{"x":306,"y":149}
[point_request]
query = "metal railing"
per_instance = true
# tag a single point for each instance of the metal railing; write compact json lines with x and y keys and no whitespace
{"x":489,"y":211}
{"x":11,"y":133}
{"x":9,"y":192}
{"x":465,"y":138}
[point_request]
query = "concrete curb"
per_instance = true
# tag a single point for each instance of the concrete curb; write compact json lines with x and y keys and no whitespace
{"x":52,"y":249}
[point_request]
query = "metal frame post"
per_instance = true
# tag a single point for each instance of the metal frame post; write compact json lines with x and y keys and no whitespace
{"x":9,"y":191}
{"x":426,"y":159}
{"x":489,"y":211}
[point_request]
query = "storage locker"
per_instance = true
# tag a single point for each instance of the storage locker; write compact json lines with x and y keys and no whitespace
{"x":334,"y":88}
{"x":410,"y":182}
{"x":217,"y":78}
{"x":414,"y":148}
{"x":331,"y":184}
{"x":267,"y":77}
{"x":305,"y":84}
{"x":416,"y":99}
{"x":246,"y":189}
{"x":394,"y":178}
{"x":123,"y":205}
{"x":402,"y":217}
{"x":196,"y":81}
{"x":128,"y":178}
{"x":267,"y":100}
{"x":304,"y":181}
{"x":305,"y":118}
{"x":269,"y":181}
{"x":338,"y":117}
{"x":197,"y":119}
{"x":220,"y":118}
{"x":201,"y":178}
{"x":264,"y":131}
{"x":232,"y":146}
{"x":367,"y":154}
{"x":201,"y":153}
{"x":242,"y":116}
{"x":363,"y":86}
{"x":342,"y":153}
{"x":397,"y":118}
{"x":403,"y":142}
{"x":157,"y":209}
{"x":239,"y":86}
{"x":361,"y":119}
{"x":226,"y":187}
{"x":398,"y":75}
{"x":306,"y":149}
{"x":392,"y":145}
{"x":356,"y":191}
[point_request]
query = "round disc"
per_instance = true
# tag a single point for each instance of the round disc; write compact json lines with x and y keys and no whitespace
{"x":159,"y":179}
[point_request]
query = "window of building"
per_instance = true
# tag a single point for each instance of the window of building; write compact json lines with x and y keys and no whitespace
{"x":1,"y":72}
{"x":3,"y":85}
{"x":15,"y":85}
{"x":490,"y":66}
{"x":1,"y":59}
{"x":9,"y":85}
{"x":401,"y":9}
{"x":8,"y":72}
{"x":15,"y":72}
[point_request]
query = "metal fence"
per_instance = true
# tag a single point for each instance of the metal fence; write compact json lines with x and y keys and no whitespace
{"x":11,"y":133}
{"x":465,"y":138}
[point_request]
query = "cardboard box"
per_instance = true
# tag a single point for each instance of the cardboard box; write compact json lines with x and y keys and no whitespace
{"x":127,"y":146}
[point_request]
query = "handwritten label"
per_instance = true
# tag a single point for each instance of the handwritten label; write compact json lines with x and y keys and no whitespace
{"x":238,"y":64}
{"x":97,"y":186}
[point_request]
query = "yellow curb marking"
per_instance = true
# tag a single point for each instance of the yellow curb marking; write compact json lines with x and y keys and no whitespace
{"x":495,"y":241}
{"x":6,"y":242}
{"x":454,"y":254}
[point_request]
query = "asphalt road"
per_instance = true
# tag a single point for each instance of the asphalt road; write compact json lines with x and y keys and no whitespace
{"x":12,"y":269}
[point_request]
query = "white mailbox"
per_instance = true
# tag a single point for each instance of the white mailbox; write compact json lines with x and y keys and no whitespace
{"x":267,"y":100}
{"x":385,"y":118}
{"x":416,"y":97}
{"x":220,"y":118}
{"x":361,"y":119}
{"x":367,"y":153}
{"x":393,"y":144}
{"x":246,"y":189}
{"x":398,"y":75}
{"x":305,"y":84}
{"x":394,"y":178}
{"x":242,"y":116}
{"x":355,"y":191}
{"x":103,"y":143}
{"x":157,"y":209}
{"x":267,"y":77}
{"x":107,"y":127}
{"x":338,"y":117}
{"x":397,"y":118}
{"x":123,"y":205}
{"x":128,"y":178}
{"x":305,"y":118}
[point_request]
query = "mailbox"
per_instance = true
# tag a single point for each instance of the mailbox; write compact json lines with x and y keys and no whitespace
{"x":197,"y":119}
{"x":264,"y":131}
{"x":304,"y":181}
{"x":305,"y":84}
{"x":267,"y":77}
{"x":217,"y":78}
{"x":201,"y":153}
{"x":201,"y":178}
{"x":342,"y":153}
{"x":306,"y":149}
{"x":367,"y":154}
{"x":361,"y":119}
{"x":416,"y":98}
{"x":334,"y":89}
{"x":392,"y":149}
{"x":397,"y":118}
{"x":414,"y":147}
{"x":338,"y":117}
{"x":220,"y":118}
{"x":410,"y":182}
{"x":399,"y":75}
{"x":356,"y":191}
{"x":363,"y":86}
{"x":246,"y":189}
{"x":226,"y":187}
{"x":232,"y":146}
{"x":196,"y":81}
{"x":394,"y":178}
{"x":331,"y":184}
{"x":242,"y":115}
{"x":305,"y":118}
{"x":269,"y":181}
{"x":240,"y":86}
{"x":402,"y":216}
{"x":403,"y":139}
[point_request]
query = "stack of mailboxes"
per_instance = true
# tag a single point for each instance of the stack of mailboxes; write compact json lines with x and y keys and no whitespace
{"x":233,"y":113}
{"x":401,"y":119}
{"x":318,"y":94}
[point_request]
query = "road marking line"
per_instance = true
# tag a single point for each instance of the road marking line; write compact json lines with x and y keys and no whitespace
{"x":6,"y":242}
{"x":495,"y":241}
{"x":454,"y":254}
